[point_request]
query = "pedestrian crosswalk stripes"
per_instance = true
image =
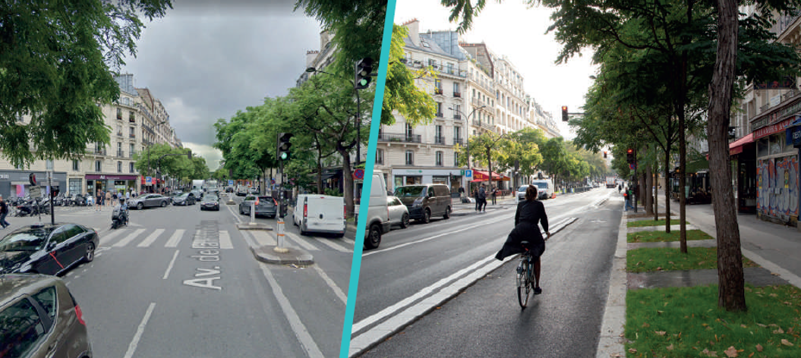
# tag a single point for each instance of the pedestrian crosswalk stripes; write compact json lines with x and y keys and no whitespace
{"x":301,"y":242}
{"x":106,"y":238}
{"x":129,"y":238}
{"x":176,"y":237}
{"x":334,"y":245}
{"x":150,"y":239}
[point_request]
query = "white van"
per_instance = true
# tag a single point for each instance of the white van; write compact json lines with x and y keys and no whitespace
{"x":377,"y":220}
{"x":544,"y":188}
{"x":320,"y":214}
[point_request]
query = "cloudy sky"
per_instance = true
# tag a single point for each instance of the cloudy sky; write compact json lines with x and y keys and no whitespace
{"x":205,"y":61}
{"x":514,"y":30}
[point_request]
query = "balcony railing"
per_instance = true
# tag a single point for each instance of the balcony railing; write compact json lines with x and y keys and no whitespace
{"x":131,"y":154}
{"x":457,"y":141}
{"x":100,"y":151}
{"x":437,"y":90}
{"x":132,"y":120}
{"x":484,"y":124}
{"x":439,"y":140}
{"x":132,"y":136}
{"x":440,"y":115}
{"x":457,"y":94}
{"x":391,"y":137}
{"x":119,"y":134}
{"x":119,"y":117}
{"x":457,"y":116}
{"x":120,"y":154}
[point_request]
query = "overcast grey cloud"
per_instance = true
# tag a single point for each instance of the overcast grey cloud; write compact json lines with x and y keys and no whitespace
{"x":206,"y":60}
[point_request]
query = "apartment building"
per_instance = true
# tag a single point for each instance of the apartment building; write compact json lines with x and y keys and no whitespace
{"x":137,"y":120}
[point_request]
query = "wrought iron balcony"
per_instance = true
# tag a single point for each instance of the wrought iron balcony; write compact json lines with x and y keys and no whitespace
{"x":437,"y":90}
{"x":439,"y":140}
{"x":407,"y":138}
{"x":457,"y":116}
{"x":457,"y":94}
{"x":457,"y":141}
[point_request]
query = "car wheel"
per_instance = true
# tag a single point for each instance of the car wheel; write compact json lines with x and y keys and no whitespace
{"x":447,"y":213}
{"x":140,"y":206}
{"x":90,"y":252}
{"x":163,"y":203}
{"x":72,"y":203}
{"x":302,"y":232}
{"x":293,"y":221}
{"x":426,"y":216}
{"x":404,"y":221}
{"x":373,"y":237}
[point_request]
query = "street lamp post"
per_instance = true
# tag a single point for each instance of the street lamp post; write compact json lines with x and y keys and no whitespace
{"x":467,"y":134}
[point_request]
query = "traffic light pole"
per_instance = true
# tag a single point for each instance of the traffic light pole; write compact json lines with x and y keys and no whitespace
{"x":50,"y":184}
{"x":280,"y":235}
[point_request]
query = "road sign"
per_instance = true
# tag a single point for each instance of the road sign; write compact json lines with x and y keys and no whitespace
{"x":358,"y":174}
{"x":148,"y":180}
{"x":36,"y":191}
{"x":468,"y":173}
{"x":230,"y":183}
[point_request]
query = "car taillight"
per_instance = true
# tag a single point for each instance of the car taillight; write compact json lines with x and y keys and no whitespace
{"x":305,"y":210}
{"x":345,"y":211}
{"x":79,"y":314}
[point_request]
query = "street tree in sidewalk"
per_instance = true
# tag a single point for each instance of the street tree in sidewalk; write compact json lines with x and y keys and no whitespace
{"x":175,"y":164}
{"x":225,"y":131}
{"x":526,"y":155}
{"x":485,"y":147}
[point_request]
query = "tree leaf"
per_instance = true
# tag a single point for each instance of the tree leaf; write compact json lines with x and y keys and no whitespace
{"x":731,"y":352}
{"x":759,"y":348}
{"x":786,"y":343}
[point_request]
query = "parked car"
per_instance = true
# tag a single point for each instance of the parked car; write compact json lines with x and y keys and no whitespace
{"x":148,"y":201}
{"x":267,"y":206}
{"x":320,"y":213}
{"x":196,"y":194}
{"x":398,"y":213}
{"x":544,"y":188}
{"x":253,"y":191}
{"x":210,"y":201}
{"x":229,"y":189}
{"x":426,"y":200}
{"x":377,"y":220}
{"x":184,"y":199}
{"x":40,"y":318}
{"x":47,"y":248}
{"x":520,"y":195}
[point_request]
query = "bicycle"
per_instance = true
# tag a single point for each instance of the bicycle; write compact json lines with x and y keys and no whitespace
{"x":524,"y":279}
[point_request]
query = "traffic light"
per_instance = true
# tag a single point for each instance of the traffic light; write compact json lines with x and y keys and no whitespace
{"x":189,"y":155}
{"x":284,"y":145}
{"x":32,"y":179}
{"x":630,"y":155}
{"x":364,"y":68}
{"x":604,"y":154}
{"x":564,"y":113}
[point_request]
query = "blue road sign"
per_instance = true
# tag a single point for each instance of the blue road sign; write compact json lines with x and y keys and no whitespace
{"x":468,"y":173}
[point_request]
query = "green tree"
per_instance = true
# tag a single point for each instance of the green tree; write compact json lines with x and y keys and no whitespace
{"x":55,"y":63}
{"x":485,"y":147}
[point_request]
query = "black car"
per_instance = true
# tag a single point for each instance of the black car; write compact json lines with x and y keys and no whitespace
{"x":46,"y":248}
{"x":196,"y":194}
{"x":210,"y":202}
{"x":183,"y":200}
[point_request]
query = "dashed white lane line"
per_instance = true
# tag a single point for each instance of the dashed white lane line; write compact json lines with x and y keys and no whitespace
{"x":151,"y":238}
{"x":176,"y":237}
{"x":337,"y":291}
{"x":129,"y":238}
{"x":169,"y":267}
{"x":139,"y":331}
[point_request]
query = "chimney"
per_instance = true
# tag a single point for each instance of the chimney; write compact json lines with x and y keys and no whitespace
{"x":310,"y":57}
{"x":414,"y":30}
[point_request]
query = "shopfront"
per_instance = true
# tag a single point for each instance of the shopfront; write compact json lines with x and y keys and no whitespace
{"x":777,"y":173}
{"x":113,"y":183}
{"x":498,"y":180}
{"x":793,"y":139}
{"x":15,"y":183}
{"x":450,"y":177}
{"x":743,"y":158}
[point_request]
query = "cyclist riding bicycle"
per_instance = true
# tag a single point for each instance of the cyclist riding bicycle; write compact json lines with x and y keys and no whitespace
{"x":529,"y":212}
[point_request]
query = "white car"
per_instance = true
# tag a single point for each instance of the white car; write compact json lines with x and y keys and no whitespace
{"x":398,"y":212}
{"x":320,"y":213}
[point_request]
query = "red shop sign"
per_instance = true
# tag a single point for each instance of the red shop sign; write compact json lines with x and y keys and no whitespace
{"x":773,"y":128}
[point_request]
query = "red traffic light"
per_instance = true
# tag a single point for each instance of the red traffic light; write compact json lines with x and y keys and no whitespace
{"x":564,"y":114}
{"x":629,"y":151}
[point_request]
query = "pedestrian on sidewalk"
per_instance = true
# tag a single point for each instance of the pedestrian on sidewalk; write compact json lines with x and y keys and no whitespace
{"x":461,"y":194}
{"x":3,"y":212}
{"x":494,"y":195}
{"x":99,"y":200}
{"x":475,"y":195}
{"x":108,"y":199}
{"x":627,"y":194}
{"x":482,"y":196}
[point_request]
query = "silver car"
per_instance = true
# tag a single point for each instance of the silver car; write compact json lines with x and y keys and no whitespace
{"x":148,"y":201}
{"x":398,"y":213}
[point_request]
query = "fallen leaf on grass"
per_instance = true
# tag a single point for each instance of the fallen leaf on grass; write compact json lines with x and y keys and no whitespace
{"x":744,"y":326}
{"x":773,"y":325}
{"x":759,"y":347}
{"x":708,"y":353}
{"x":632,"y":350}
{"x":761,"y":325}
{"x":671,"y":262}
{"x":787,"y":343}
{"x":751,"y":355}
{"x":778,"y":331}
{"x":772,"y":295}
{"x":731,"y":352}
{"x":659,"y":269}
{"x":646,"y":325}
{"x":702,"y":262}
{"x":661,"y":333}
{"x":670,"y":347}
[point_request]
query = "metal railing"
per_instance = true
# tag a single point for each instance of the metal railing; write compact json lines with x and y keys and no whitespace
{"x":131,"y":154}
{"x":457,"y":116}
{"x":457,"y":141}
{"x":440,"y":115}
{"x":100,"y":151}
{"x":392,"y":137}
{"x":439,"y":140}
{"x":438,"y":91}
{"x":132,"y":135}
{"x":120,"y":154}
{"x":457,"y":94}
{"x":119,"y":134}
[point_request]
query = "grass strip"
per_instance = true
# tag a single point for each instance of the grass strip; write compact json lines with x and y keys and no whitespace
{"x":687,"y":322}
{"x":661,"y":236}
{"x":641,"y":223}
{"x":671,"y":259}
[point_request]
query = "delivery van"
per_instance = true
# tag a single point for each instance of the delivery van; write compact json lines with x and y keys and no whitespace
{"x":323,"y":214}
{"x":545,"y":188}
{"x":377,"y":220}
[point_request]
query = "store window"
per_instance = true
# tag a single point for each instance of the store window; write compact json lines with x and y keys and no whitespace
{"x":439,"y":180}
{"x":75,"y":185}
{"x":414,"y":180}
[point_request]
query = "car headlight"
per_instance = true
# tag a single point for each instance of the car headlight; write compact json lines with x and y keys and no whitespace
{"x":417,"y":203}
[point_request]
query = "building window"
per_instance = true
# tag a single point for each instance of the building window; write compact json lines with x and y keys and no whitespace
{"x":409,"y":157}
{"x":131,"y":167}
{"x":98,"y":165}
{"x":75,"y":165}
{"x":455,"y":159}
{"x":437,"y":87}
{"x":119,"y":113}
{"x":438,"y":137}
{"x":119,"y":167}
{"x":439,"y":110}
{"x":409,"y":132}
{"x":379,"y":156}
{"x":439,"y":158}
{"x":49,"y":164}
{"x":131,"y":117}
{"x":456,"y":91}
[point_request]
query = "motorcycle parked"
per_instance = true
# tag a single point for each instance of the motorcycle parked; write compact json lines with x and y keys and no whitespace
{"x":76,"y":200}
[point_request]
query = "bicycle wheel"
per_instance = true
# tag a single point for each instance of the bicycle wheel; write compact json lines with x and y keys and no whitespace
{"x":523,"y":282}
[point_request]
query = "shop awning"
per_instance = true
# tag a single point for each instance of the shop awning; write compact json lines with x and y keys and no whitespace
{"x":483,"y":176}
{"x":736,"y":147}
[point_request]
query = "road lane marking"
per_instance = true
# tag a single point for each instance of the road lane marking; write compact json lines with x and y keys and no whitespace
{"x":105,"y":239}
{"x":172,"y":262}
{"x":150,"y":239}
{"x":420,"y":294}
{"x":263,"y":238}
{"x":300,"y":241}
{"x":434,"y":237}
{"x":305,"y":339}
{"x":337,"y":291}
{"x":225,"y":240}
{"x":334,"y":245}
{"x":129,"y":238}
{"x":351,"y":242}
{"x":176,"y":237}
{"x":139,"y":331}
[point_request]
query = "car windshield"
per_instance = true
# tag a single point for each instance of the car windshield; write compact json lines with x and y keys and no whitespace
{"x":184,"y":195}
{"x":28,"y":240}
{"x":409,"y":191}
{"x":522,"y":188}
{"x":541,"y":185}
{"x":210,"y":198}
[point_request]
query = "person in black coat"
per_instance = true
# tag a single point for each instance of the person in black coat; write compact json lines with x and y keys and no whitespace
{"x":529,"y":213}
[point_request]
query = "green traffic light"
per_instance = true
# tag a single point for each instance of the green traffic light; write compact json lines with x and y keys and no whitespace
{"x":363,"y":82}
{"x":284,"y":155}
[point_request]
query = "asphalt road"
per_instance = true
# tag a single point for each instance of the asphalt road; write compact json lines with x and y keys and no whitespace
{"x":180,"y":282}
{"x":485,"y":320}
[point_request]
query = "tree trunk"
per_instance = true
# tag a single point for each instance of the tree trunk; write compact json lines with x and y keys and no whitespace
{"x":656,"y":192}
{"x":649,"y":182}
{"x":682,"y":183}
{"x":319,"y":170}
{"x":731,"y":290}
{"x":667,"y":190}
{"x":347,"y":180}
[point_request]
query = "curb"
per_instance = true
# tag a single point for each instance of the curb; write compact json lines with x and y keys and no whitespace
{"x":295,"y":256}
{"x":256,"y":226}
{"x":613,"y":324}
{"x":377,"y":334}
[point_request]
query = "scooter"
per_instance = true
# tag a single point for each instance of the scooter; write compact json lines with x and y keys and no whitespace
{"x":119,"y":216}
